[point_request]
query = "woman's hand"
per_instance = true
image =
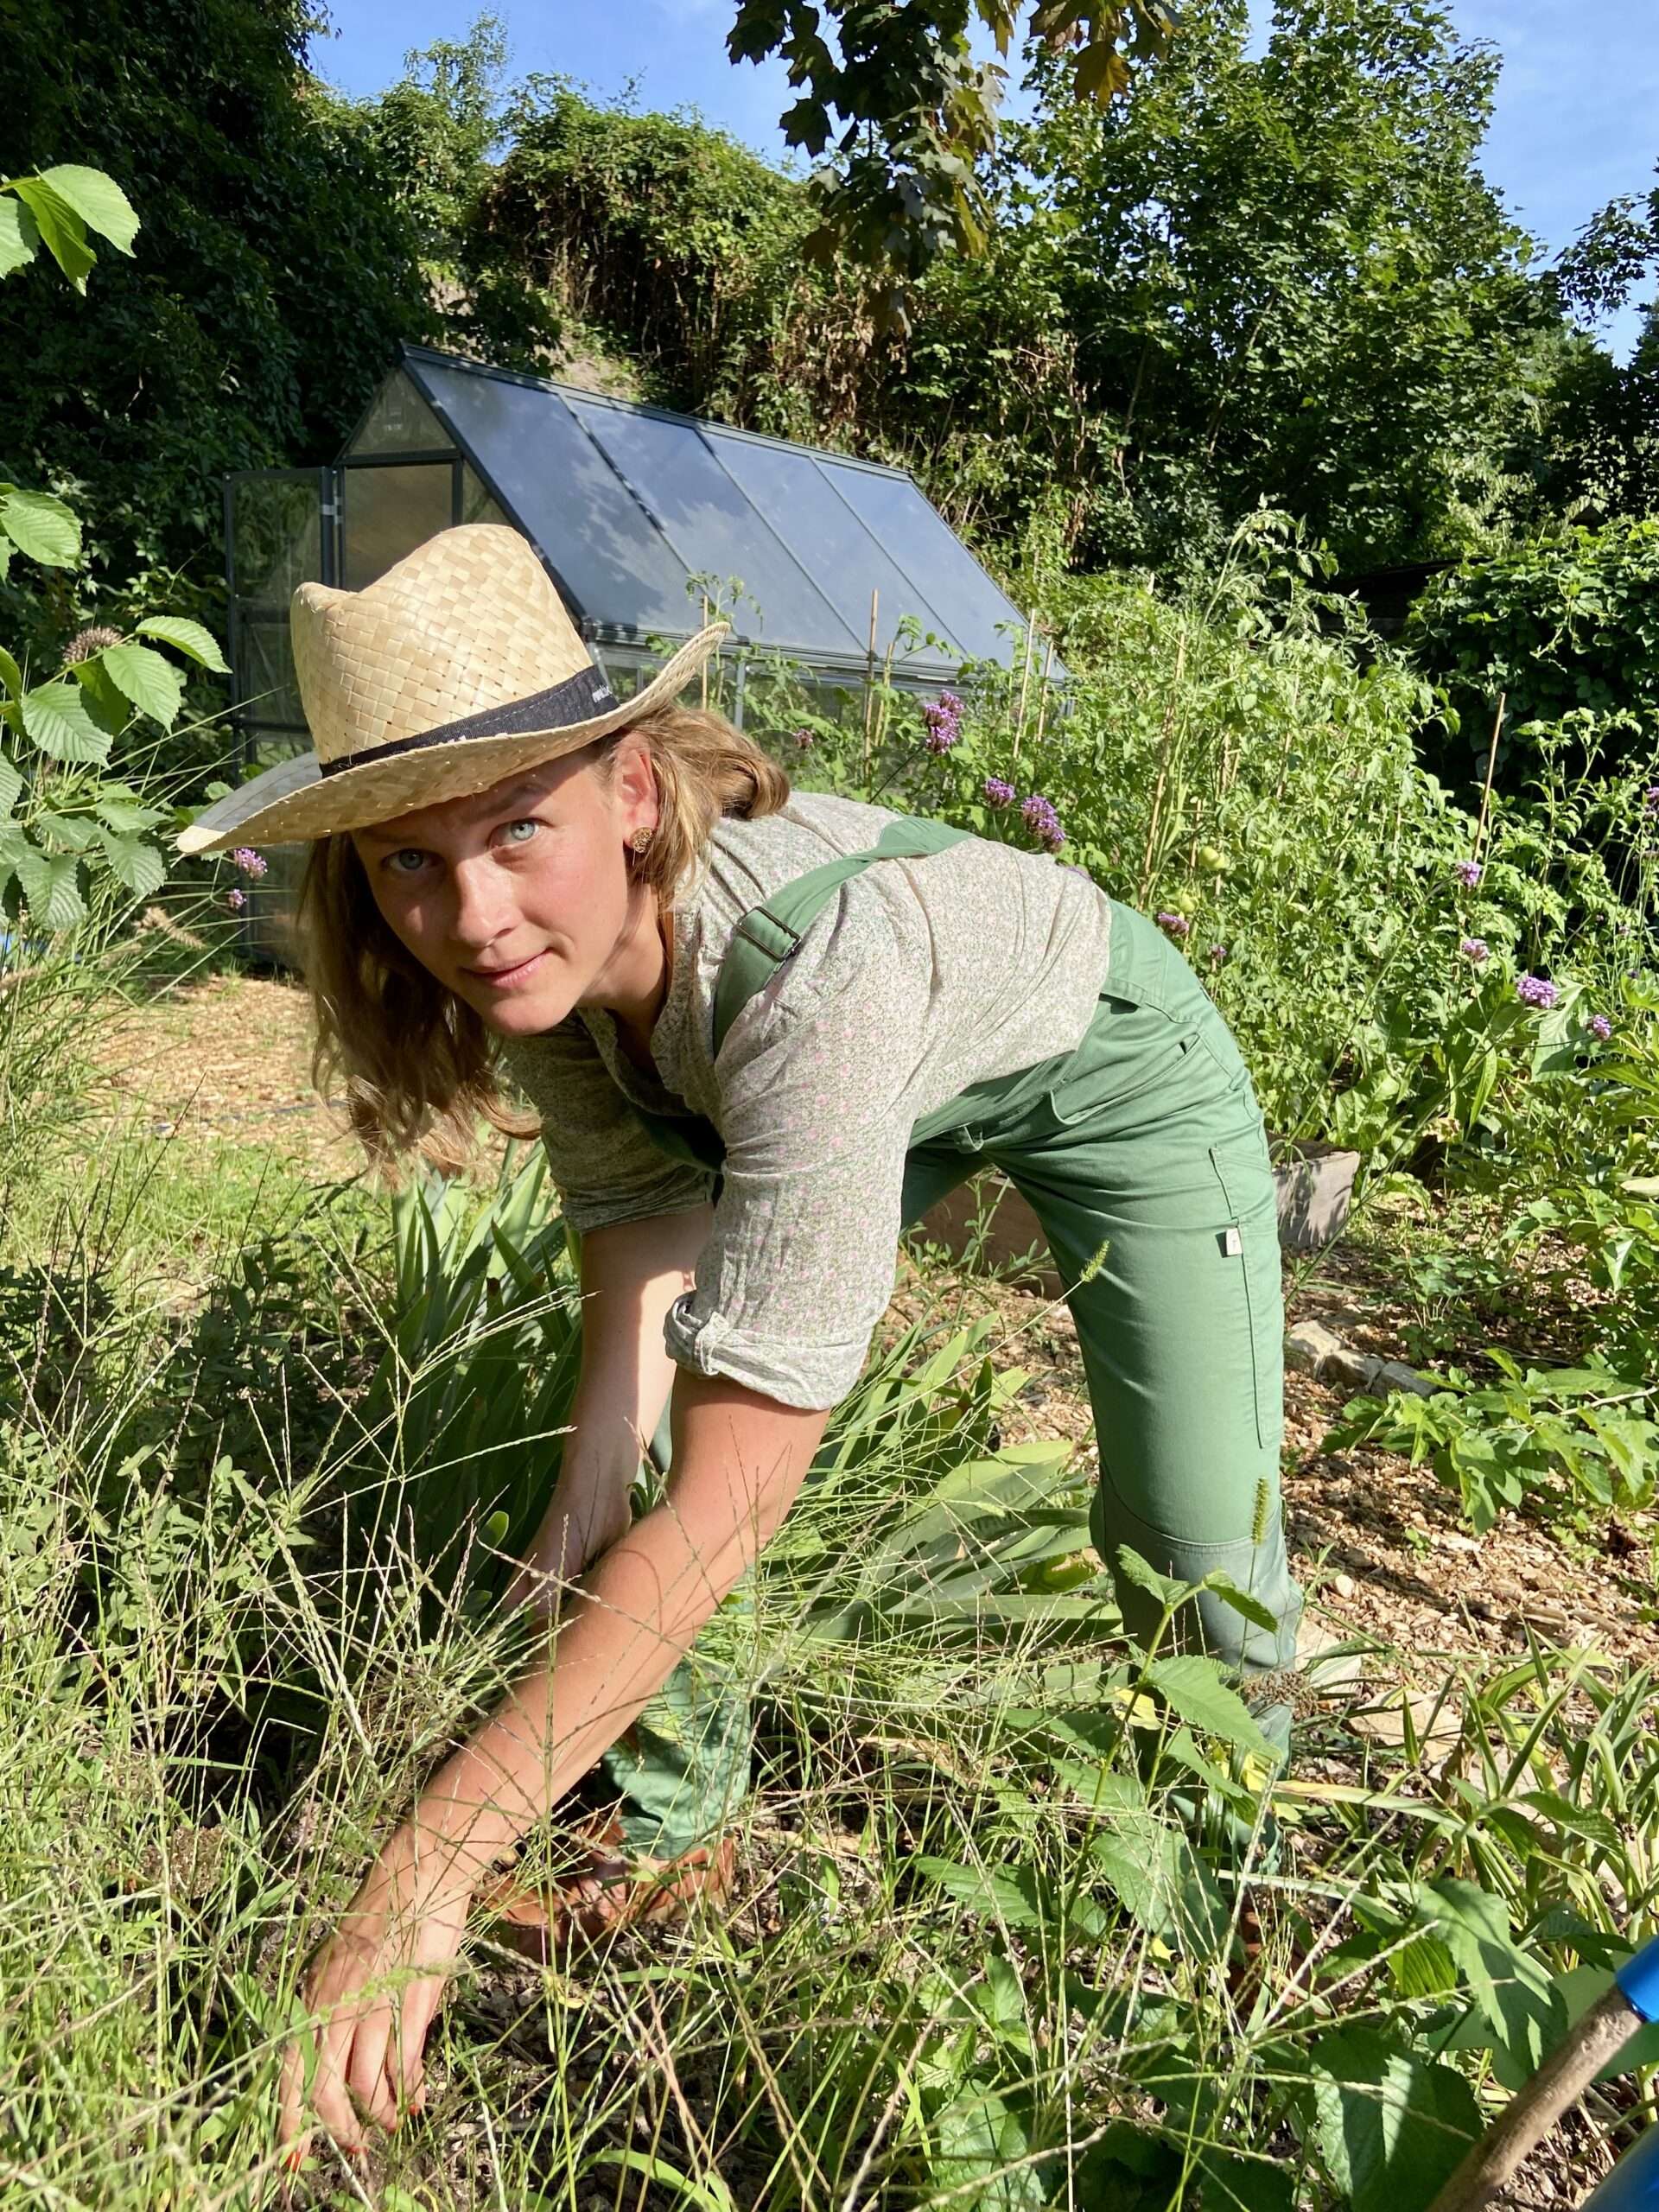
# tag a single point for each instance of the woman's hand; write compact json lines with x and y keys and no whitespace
{"x":374,"y":1989}
{"x":589,"y":1511}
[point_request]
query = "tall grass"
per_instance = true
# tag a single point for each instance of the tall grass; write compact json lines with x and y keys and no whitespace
{"x":1015,"y":1927}
{"x":1027,"y":1916}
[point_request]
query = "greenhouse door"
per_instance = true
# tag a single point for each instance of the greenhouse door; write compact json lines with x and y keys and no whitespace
{"x":281,"y":529}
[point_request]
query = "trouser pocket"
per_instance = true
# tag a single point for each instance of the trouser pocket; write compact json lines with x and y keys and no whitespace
{"x":1248,"y":1240}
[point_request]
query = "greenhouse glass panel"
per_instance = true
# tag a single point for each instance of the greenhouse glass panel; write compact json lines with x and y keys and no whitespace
{"x":478,"y":503}
{"x":387,"y":513}
{"x":926,"y":548}
{"x":266,"y":689}
{"x":275,"y":529}
{"x":796,"y":493}
{"x":615,"y":567}
{"x":715,"y":531}
{"x":400,"y":421}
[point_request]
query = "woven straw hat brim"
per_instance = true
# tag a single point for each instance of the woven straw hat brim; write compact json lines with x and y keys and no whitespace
{"x":295,"y":802}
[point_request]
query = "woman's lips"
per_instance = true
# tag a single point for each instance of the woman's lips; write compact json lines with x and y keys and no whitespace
{"x":507,"y":979}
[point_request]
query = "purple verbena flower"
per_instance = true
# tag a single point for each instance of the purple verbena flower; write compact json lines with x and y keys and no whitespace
{"x":1537,"y":990}
{"x":1601,"y":1026}
{"x":998,"y":793}
{"x":1219,"y":955}
{"x":1475,"y":948}
{"x":249,"y":862}
{"x":944,"y":720}
{"x":1176,"y":925}
{"x":236,"y":900}
{"x":1054,"y":837}
{"x":1038,"y":812}
{"x":1650,"y":799}
{"x":1467,"y":873}
{"x":804,"y":740}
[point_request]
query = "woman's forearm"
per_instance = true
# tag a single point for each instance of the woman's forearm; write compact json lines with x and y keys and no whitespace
{"x":741,"y":1459}
{"x":630,"y":1274}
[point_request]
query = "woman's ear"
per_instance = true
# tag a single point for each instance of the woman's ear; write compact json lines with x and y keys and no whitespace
{"x":633,"y":781}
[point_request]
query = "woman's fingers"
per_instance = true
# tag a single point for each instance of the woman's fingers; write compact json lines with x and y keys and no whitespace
{"x":331,"y":2091}
{"x":368,"y":2064}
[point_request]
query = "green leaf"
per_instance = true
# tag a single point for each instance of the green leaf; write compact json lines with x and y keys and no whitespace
{"x":108,"y":704}
{"x":12,"y":785}
{"x":62,"y":232}
{"x":98,"y":199}
{"x":1146,"y":1577}
{"x":1390,"y":2127}
{"x":51,"y":890}
{"x":42,"y":527}
{"x":1516,"y":1995}
{"x":1192,"y":1686}
{"x":1232,"y":2183}
{"x":56,"y":717}
{"x":19,"y":235}
{"x":1576,"y":1820}
{"x":192,"y":638}
{"x":1019,"y":1900}
{"x":62,"y":833}
{"x":1241,"y":1600}
{"x":10,"y":674}
{"x":978,"y":2139}
{"x":123,"y":810}
{"x":153,"y":684}
{"x":143,"y":870}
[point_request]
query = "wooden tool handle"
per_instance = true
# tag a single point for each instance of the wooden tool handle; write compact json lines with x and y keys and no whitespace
{"x":1558,"y":2083}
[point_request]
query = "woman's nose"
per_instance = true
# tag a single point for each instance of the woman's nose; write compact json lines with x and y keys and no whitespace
{"x":483,"y":909}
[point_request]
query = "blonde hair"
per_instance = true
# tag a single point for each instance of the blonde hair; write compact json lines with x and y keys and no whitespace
{"x":416,"y":1064}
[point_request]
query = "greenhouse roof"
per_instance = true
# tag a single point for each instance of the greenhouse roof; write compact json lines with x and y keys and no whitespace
{"x":635,"y":511}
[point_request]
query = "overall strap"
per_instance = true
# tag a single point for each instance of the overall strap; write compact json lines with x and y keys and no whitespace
{"x":768,"y":934}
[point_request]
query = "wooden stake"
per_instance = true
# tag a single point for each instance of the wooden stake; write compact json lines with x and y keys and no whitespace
{"x":1491,"y":764}
{"x":1042,"y":696}
{"x":869,"y":680}
{"x":1025,"y":685}
{"x":703,"y":672}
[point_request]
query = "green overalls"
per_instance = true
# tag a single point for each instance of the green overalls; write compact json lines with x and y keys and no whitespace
{"x":1145,"y":1140}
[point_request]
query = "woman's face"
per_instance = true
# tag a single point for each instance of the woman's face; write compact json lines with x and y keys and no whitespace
{"x":519,"y":900}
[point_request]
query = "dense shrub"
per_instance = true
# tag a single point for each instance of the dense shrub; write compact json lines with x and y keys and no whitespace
{"x":276,"y":269}
{"x":1565,"y":625}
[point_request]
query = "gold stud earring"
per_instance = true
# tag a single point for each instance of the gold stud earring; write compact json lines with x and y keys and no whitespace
{"x":639,"y":844}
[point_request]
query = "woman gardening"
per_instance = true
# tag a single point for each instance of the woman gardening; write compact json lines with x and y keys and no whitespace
{"x":762,"y":1032}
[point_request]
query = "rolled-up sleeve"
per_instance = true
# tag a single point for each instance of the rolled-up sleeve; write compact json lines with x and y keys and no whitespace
{"x":604,"y":1165}
{"x":817,"y":1081}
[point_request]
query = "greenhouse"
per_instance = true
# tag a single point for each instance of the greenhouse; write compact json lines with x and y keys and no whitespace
{"x":645,"y":520}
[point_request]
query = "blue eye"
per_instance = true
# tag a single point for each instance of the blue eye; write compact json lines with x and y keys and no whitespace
{"x":511,"y":828}
{"x":395,"y":861}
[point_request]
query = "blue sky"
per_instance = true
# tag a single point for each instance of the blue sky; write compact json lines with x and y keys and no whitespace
{"x":1577,"y":118}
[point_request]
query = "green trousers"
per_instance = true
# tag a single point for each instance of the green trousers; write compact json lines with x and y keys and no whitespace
{"x":1143,"y":1156}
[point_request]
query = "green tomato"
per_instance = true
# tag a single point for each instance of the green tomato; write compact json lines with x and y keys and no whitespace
{"x":1212,"y":860}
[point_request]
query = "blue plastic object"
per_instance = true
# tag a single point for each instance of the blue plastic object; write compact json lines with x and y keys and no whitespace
{"x":1639,"y":1979}
{"x":1633,"y":2185}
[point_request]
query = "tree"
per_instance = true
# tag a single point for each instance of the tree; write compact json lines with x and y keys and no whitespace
{"x":274,"y":274}
{"x":1287,"y":280}
{"x":1602,"y":447}
{"x":916,"y":112}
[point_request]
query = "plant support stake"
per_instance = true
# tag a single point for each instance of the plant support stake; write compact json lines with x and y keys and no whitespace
{"x":869,"y":680}
{"x":1491,"y":764}
{"x":1599,"y":2037}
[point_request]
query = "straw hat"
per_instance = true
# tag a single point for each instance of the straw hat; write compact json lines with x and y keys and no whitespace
{"x":456,"y":668}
